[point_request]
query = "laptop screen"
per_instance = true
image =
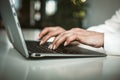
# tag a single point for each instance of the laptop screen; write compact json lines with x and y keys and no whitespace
{"x":12,"y":26}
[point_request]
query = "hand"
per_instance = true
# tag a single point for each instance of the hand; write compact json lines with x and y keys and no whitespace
{"x":91,"y":38}
{"x":49,"y":32}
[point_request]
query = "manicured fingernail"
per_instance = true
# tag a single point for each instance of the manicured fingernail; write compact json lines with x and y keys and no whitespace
{"x":50,"y":46}
{"x":41,"y":42}
{"x":65,"y":44}
{"x":54,"y":47}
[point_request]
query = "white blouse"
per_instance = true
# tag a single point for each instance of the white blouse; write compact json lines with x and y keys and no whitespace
{"x":111,"y":30}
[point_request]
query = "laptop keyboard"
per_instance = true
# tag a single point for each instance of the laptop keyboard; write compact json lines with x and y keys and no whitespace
{"x":35,"y":47}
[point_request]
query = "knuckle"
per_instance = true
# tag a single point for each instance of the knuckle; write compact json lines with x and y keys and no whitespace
{"x":64,"y":35}
{"x":74,"y":28}
{"x":67,"y":36}
{"x":50,"y":34}
{"x":66,"y":32}
{"x":58,"y":27}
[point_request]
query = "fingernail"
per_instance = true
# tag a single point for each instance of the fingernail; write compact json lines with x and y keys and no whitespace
{"x":50,"y":46}
{"x":54,"y":47}
{"x":65,"y":44}
{"x":41,"y":42}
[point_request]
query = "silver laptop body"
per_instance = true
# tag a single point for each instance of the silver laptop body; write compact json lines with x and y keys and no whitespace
{"x":12,"y":25}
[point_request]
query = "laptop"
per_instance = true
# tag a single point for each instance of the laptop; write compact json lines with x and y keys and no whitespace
{"x":32,"y":49}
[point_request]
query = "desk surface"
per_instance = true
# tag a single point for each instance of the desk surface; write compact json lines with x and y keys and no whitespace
{"x":13,"y":66}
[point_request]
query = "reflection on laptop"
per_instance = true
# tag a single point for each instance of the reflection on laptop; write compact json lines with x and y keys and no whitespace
{"x":32,"y":48}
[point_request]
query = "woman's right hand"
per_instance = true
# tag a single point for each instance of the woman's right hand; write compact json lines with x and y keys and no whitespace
{"x":49,"y":32}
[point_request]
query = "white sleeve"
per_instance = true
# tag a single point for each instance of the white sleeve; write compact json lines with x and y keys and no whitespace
{"x":111,"y":30}
{"x":112,"y":43}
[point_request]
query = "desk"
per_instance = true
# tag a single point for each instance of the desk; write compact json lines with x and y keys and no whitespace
{"x":13,"y":66}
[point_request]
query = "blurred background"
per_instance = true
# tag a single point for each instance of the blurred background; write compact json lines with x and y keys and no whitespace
{"x":65,"y":13}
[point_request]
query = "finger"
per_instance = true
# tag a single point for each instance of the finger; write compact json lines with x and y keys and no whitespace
{"x":78,"y":31}
{"x":47,"y":37}
{"x":53,"y":46}
{"x":60,"y":39}
{"x":70,"y":39}
{"x":58,"y":42}
{"x":43,"y":32}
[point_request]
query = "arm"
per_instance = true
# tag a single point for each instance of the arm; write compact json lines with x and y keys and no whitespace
{"x":111,"y":30}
